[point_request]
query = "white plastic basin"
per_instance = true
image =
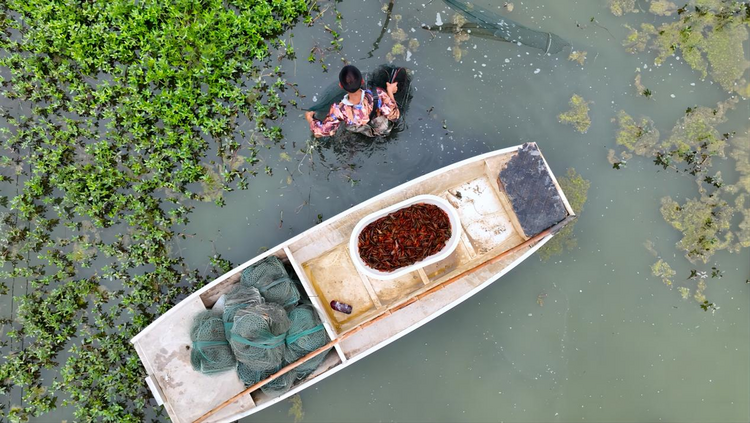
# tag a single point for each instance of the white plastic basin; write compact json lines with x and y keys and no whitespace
{"x":450,"y":245}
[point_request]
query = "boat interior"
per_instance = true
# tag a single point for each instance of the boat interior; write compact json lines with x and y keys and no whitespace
{"x":322,"y":263}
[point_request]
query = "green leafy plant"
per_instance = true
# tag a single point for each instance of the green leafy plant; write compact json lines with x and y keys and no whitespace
{"x":128,"y":99}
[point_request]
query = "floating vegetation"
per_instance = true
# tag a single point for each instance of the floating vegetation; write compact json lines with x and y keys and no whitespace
{"x":578,"y":115}
{"x":295,"y":410}
{"x":640,"y":88}
{"x":125,"y":99}
{"x":577,"y":56}
{"x":705,"y":220}
{"x":576,"y":191}
{"x":663,"y":270}
{"x":694,"y":140}
{"x":743,"y":232}
{"x":662,"y":7}
{"x":637,"y":40}
{"x":741,"y":154}
{"x":621,"y":7}
{"x":459,"y":36}
{"x":399,"y":36}
{"x":639,"y":137}
{"x":684,"y":292}
{"x":618,"y":161}
{"x":704,"y":223}
{"x":710,"y":36}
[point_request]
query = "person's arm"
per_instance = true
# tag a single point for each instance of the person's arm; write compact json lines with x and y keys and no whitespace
{"x":325,"y":128}
{"x":388,"y":105}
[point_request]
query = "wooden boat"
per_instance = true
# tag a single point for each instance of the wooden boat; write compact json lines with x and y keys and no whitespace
{"x":493,"y":242}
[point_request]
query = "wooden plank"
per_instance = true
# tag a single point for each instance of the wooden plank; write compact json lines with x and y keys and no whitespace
{"x":373,"y":296}
{"x":314,"y":299}
{"x":423,"y":276}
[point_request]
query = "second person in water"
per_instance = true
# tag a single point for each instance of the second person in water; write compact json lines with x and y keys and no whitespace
{"x":361,"y":110}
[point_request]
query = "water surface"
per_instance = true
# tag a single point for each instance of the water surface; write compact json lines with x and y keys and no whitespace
{"x":611,"y":342}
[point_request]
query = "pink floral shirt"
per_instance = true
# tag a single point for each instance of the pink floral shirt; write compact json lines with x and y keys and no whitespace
{"x":355,"y":114}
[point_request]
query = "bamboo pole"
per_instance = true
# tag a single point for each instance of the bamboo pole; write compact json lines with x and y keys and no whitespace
{"x":385,"y":314}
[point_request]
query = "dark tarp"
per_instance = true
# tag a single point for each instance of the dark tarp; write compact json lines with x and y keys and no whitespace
{"x":532,"y":192}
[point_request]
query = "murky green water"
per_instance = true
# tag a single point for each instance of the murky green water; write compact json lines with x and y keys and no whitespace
{"x":611,"y":342}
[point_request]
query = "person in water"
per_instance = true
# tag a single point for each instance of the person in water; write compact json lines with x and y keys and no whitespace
{"x":362,"y":111}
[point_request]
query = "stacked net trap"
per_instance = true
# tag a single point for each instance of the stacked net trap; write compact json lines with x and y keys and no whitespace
{"x":259,"y":327}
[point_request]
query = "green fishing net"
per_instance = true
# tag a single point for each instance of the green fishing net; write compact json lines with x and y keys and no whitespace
{"x":305,"y":335}
{"x":257,"y":335}
{"x":250,"y":329}
{"x":277,"y":386}
{"x":273,"y":282}
{"x":377,"y":78}
{"x":211,"y":352}
{"x":486,"y":24}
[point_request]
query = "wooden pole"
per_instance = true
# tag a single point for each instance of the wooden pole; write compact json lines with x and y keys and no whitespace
{"x":385,"y":314}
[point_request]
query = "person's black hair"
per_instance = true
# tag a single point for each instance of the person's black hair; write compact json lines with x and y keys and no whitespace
{"x":350,"y":78}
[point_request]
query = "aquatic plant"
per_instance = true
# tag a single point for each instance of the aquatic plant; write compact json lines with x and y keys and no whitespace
{"x":621,"y":7}
{"x":684,"y":292}
{"x":618,"y":161}
{"x":740,"y":152}
{"x":710,"y":35}
{"x":126,"y":99}
{"x":662,"y":7}
{"x":296,"y":410}
{"x":578,"y":115}
{"x":399,"y":36}
{"x":577,"y":56}
{"x":576,"y":190}
{"x":695,"y":140}
{"x":639,"y":137}
{"x":637,"y":40}
{"x":663,"y":270}
{"x":704,"y":223}
{"x":640,"y":88}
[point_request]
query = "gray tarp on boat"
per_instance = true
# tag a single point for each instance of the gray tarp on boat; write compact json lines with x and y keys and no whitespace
{"x":532,"y":191}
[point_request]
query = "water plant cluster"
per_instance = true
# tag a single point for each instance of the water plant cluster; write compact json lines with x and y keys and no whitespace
{"x":576,"y":190}
{"x":578,"y":115}
{"x":710,"y":35}
{"x":117,"y":106}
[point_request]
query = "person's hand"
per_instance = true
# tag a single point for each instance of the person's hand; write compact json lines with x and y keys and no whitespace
{"x":391,"y":88}
{"x":309,"y":115}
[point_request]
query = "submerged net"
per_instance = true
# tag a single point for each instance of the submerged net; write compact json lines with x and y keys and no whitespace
{"x":270,"y":277}
{"x":377,"y":78}
{"x":487,"y":24}
{"x":211,"y":352}
{"x":305,"y":335}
